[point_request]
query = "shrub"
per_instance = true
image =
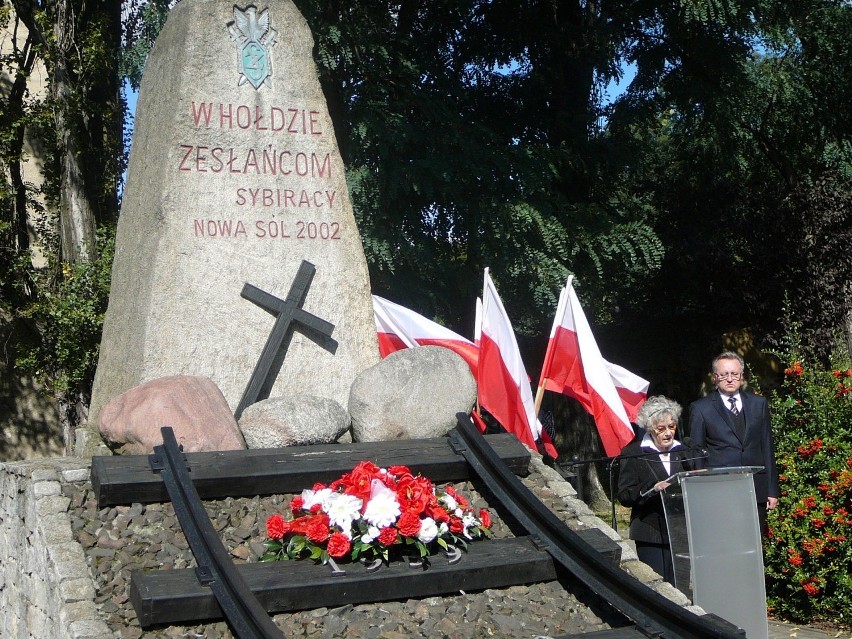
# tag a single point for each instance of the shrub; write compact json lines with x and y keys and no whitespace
{"x":68,"y":313}
{"x":808,"y":549}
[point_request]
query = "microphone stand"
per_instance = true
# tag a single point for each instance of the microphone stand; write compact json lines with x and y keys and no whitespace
{"x":612,"y":463}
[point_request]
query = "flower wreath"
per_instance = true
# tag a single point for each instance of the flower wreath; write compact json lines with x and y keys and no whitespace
{"x":368,"y":512}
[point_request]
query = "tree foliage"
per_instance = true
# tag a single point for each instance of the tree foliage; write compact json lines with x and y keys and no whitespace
{"x":736,"y":169}
{"x":469,"y":132}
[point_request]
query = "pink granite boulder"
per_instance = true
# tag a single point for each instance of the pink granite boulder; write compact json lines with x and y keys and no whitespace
{"x":194,"y":407}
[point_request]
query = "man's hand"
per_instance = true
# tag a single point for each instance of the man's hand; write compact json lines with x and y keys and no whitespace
{"x":771,"y":502}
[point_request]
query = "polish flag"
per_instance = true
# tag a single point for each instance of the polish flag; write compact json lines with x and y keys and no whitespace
{"x":573,"y":366}
{"x":399,"y":327}
{"x":504,"y":386}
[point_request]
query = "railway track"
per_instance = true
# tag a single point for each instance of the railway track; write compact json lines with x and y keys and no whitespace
{"x":246,"y":594}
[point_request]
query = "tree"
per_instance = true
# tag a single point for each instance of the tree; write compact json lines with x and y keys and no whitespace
{"x":732,"y":174}
{"x":468,"y":149}
{"x":77,"y":131}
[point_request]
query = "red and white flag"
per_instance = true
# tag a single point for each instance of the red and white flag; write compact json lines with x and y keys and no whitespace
{"x":573,"y":366}
{"x":399,"y":327}
{"x":503,"y":383}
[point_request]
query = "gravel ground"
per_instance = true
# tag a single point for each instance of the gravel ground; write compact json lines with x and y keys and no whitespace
{"x":120,"y":540}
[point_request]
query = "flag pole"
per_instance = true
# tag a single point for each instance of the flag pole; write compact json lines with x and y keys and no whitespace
{"x":539,"y":395}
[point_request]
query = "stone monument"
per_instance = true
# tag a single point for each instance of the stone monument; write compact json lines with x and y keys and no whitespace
{"x":235,"y":178}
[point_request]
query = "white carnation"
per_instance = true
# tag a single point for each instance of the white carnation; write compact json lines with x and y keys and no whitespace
{"x":449,"y":502}
{"x":428,"y":530}
{"x":467,"y":521}
{"x":370,"y":535}
{"x":382,"y":508}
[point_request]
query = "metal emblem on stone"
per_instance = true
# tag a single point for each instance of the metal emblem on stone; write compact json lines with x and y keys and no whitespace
{"x":254,"y":37}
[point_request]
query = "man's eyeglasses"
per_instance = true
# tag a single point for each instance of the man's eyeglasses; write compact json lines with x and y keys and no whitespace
{"x":662,"y":428}
{"x":734,"y":376}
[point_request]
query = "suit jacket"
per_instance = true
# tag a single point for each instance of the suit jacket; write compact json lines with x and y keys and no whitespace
{"x":711,"y":427}
{"x":638,"y":474}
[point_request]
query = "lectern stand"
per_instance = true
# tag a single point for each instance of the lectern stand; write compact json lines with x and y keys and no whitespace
{"x":714,"y":534}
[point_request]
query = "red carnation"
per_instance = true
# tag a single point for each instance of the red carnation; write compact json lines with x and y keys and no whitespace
{"x":296,"y":504}
{"x":318,"y":486}
{"x":485,"y":518}
{"x":338,"y":545}
{"x":299,"y":525}
{"x":399,"y":471}
{"x":388,"y":536}
{"x":277,"y":527}
{"x":456,"y":525}
{"x":439,"y":514}
{"x":317,"y":529}
{"x":408,"y":524}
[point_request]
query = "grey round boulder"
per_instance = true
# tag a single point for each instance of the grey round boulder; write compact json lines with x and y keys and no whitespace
{"x":293,"y":421}
{"x":413,"y":393}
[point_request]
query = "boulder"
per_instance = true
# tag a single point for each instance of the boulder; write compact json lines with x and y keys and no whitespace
{"x":413,"y":393}
{"x":292,"y":421}
{"x":194,"y":407}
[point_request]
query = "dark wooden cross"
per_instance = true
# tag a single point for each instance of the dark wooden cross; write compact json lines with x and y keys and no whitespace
{"x":289,"y":316}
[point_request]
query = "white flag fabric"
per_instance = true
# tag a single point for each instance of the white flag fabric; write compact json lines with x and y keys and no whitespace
{"x":398,"y":327}
{"x":504,"y":386}
{"x":573,"y":366}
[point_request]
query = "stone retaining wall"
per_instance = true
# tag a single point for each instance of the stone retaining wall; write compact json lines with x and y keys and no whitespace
{"x":46,"y":585}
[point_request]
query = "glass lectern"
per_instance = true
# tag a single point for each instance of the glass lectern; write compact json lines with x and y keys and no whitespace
{"x":716,"y":547}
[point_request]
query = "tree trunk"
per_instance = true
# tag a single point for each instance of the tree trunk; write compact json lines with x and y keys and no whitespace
{"x":848,"y":331}
{"x":17,"y":236}
{"x":76,"y":212}
{"x":577,"y":439}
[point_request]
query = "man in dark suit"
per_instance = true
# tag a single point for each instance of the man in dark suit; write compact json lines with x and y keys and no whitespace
{"x":733,"y":426}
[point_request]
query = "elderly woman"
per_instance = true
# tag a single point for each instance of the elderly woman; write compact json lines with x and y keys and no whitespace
{"x":646,"y":464}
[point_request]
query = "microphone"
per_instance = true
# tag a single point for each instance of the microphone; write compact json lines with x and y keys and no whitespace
{"x":691,"y":445}
{"x":698,"y":451}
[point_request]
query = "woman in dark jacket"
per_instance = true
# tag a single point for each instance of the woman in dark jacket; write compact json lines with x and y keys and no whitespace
{"x":648,"y":461}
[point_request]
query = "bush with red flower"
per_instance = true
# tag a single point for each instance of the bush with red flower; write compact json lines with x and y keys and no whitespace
{"x":371,"y":512}
{"x":808,"y":549}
